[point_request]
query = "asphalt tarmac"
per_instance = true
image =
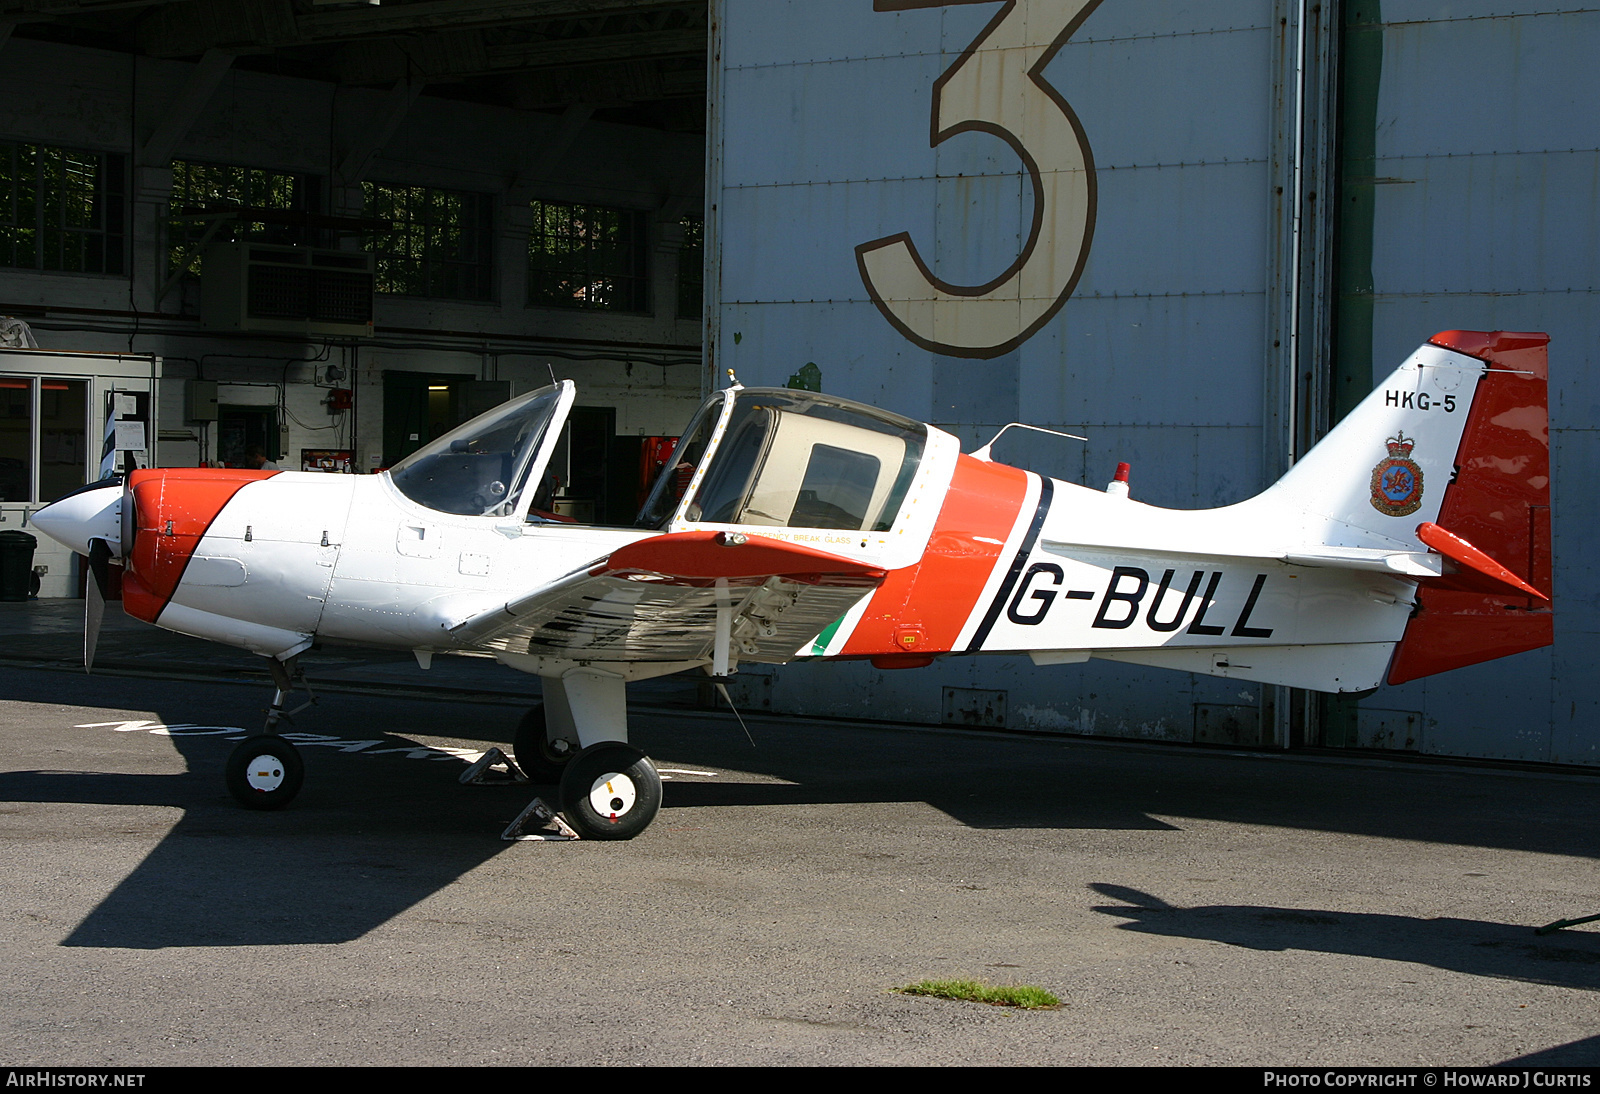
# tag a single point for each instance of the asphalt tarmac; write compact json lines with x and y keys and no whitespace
{"x":1189,"y":906}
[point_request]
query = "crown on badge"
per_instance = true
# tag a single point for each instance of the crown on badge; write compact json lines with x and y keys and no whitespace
{"x":1400,"y":445}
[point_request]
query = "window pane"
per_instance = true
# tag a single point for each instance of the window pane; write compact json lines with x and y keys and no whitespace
{"x":63,"y":436}
{"x":691,"y":263}
{"x":801,"y":460}
{"x":587,"y":256}
{"x":482,"y":467}
{"x":199,"y":188}
{"x":440,"y":244}
{"x":60,"y":209}
{"x":16,"y":438}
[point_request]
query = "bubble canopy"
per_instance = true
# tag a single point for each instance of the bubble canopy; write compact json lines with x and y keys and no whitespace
{"x":492,"y":466}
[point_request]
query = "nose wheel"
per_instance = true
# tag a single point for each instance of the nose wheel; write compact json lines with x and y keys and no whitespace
{"x":610,"y":790}
{"x":264,"y":772}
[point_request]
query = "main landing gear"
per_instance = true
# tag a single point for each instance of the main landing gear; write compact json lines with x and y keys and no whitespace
{"x":264,"y":771}
{"x":578,"y":738}
{"x":542,"y":757}
{"x":609,"y":790}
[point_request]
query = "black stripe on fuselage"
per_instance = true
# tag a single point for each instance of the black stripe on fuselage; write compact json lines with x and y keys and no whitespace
{"x":1046,"y":492}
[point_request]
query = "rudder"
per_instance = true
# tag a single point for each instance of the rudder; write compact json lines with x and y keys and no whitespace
{"x":1499,"y":501}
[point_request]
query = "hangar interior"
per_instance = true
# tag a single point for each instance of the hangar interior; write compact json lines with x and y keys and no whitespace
{"x":333,"y":231}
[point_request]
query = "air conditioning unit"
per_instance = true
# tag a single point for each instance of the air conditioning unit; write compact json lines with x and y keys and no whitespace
{"x":286,"y":290}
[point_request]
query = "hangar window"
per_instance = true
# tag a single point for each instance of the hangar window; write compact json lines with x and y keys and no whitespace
{"x":62,"y":209}
{"x":205,"y":195}
{"x":587,"y":256}
{"x":691,"y":263}
{"x":441,"y":244}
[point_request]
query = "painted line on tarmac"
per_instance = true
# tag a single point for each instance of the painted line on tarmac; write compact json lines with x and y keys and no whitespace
{"x":304,"y":740}
{"x":323,"y":740}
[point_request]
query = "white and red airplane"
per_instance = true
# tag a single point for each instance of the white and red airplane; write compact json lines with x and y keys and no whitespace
{"x":1413,"y":539}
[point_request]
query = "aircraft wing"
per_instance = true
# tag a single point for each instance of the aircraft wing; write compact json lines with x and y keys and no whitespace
{"x":678,"y":597}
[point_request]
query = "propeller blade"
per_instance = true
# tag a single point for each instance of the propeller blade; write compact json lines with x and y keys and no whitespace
{"x":94,"y":599}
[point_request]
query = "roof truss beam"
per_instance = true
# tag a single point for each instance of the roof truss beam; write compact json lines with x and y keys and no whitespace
{"x":181,"y":113}
{"x":353,"y":168}
{"x":189,"y":27}
{"x":43,"y":11}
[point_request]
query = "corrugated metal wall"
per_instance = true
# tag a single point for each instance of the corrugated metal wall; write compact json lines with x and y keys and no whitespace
{"x":1485,"y":199}
{"x":1478,"y":215}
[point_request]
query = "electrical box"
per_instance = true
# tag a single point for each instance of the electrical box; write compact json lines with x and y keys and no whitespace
{"x":200,"y":400}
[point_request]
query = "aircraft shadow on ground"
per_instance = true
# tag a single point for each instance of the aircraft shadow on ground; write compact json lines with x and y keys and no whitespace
{"x":374,"y":832}
{"x":1504,"y":951}
{"x":1584,"y":1053}
{"x":370,"y":836}
{"x":994,"y":781}
{"x":949,"y":792}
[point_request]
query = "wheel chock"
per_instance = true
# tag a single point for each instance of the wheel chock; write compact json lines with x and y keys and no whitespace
{"x":555,"y":829}
{"x":493,"y":768}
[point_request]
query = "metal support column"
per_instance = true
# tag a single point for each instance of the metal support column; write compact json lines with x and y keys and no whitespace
{"x":1300,"y":279}
{"x":711,"y":279}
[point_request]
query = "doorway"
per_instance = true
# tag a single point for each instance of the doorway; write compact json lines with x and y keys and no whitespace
{"x":420,"y":406}
{"x":241,"y":428}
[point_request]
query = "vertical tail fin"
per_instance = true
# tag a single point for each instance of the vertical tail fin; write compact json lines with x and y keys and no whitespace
{"x":1385,"y":468}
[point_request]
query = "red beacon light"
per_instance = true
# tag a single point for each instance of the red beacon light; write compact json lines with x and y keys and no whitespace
{"x":1118,"y":486}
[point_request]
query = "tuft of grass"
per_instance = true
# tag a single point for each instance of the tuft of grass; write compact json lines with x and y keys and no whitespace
{"x":1004,"y":995}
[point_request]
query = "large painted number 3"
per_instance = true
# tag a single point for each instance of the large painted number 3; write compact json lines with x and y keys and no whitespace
{"x":997,"y":86}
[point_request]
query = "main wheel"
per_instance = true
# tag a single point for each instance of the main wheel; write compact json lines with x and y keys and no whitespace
{"x":540,"y":758}
{"x":265,"y":772}
{"x":610,"y":791}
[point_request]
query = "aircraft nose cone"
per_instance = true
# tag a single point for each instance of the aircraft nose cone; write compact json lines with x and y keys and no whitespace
{"x":89,"y":514}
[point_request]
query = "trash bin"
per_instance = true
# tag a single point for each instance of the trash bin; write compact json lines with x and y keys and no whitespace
{"x":16,"y":564}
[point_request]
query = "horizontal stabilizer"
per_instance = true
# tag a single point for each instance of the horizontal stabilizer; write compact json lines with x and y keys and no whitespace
{"x":1405,"y":563}
{"x":1458,"y":550}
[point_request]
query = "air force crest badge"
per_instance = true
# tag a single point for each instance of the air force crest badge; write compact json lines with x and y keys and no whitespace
{"x":1397,"y":480}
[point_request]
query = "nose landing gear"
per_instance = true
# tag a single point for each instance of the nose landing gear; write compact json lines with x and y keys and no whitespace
{"x":264,"y":771}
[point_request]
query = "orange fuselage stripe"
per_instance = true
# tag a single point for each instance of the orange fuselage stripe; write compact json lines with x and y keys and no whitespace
{"x":922,"y":609}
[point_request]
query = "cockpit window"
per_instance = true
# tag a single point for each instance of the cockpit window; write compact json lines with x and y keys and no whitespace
{"x":794,"y":460}
{"x":837,"y":489}
{"x":680,"y":466}
{"x":481,"y":468}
